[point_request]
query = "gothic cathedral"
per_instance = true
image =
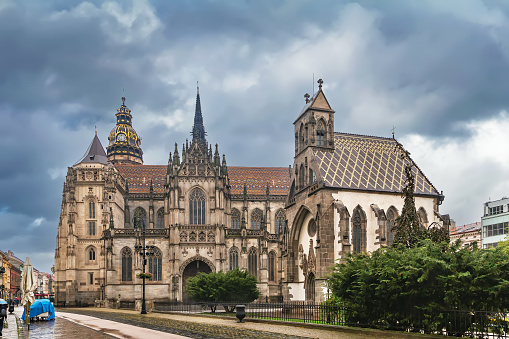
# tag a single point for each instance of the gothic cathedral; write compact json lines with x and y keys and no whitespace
{"x":286,"y":226}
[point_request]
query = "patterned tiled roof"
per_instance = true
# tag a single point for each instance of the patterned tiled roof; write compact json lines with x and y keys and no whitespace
{"x":257,"y":178}
{"x":138,"y":177}
{"x":367,"y":163}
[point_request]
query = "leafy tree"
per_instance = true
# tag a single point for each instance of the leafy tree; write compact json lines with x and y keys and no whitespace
{"x":216,"y":287}
{"x":409,"y":287}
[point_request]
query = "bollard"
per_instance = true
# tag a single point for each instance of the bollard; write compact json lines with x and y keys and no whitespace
{"x":240,"y":312}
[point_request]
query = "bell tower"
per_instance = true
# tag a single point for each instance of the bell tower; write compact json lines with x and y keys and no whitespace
{"x":124,"y":142}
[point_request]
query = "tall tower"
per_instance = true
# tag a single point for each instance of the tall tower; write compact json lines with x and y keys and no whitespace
{"x":124,"y":146}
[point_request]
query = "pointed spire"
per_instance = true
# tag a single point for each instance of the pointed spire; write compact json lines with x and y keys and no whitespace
{"x":95,"y":153}
{"x":111,"y":218}
{"x":198,"y":132}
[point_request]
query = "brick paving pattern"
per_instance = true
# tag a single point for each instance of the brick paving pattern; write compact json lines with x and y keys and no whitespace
{"x":184,"y":328}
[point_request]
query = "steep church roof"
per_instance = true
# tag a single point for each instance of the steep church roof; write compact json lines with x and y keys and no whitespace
{"x":257,"y":178}
{"x":95,"y":153}
{"x":368,"y":163}
{"x":139,"y":176}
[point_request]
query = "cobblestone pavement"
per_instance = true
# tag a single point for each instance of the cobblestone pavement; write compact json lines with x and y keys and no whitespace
{"x":205,"y":327}
{"x":192,"y":329}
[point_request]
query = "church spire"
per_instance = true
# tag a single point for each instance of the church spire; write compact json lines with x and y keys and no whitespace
{"x":198,"y":132}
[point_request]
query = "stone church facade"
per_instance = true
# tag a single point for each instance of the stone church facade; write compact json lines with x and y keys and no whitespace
{"x":286,"y":226}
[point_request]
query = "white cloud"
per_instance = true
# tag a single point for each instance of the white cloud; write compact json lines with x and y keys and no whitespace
{"x":37,"y":222}
{"x":469,"y":170}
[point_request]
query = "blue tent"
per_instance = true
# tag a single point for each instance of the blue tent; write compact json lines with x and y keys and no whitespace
{"x":40,"y":306}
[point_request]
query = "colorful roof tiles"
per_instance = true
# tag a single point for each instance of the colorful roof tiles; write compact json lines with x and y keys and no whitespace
{"x":138,"y":177}
{"x":367,"y":163}
{"x":257,"y":178}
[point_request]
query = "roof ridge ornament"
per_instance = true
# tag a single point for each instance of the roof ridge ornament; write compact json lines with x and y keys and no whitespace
{"x":320,"y":82}
{"x":123,"y":100}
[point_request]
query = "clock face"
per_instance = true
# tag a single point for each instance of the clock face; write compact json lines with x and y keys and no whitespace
{"x":121,"y":137}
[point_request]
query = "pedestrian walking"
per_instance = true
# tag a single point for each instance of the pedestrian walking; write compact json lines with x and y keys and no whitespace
{"x":3,"y":314}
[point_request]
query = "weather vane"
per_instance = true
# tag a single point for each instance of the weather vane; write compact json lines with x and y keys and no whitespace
{"x":393,"y":128}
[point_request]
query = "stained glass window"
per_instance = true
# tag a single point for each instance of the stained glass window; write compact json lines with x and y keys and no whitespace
{"x":91,"y":228}
{"x":235,"y":218}
{"x":91,"y":210}
{"x":127,"y":264}
{"x":252,"y":262}
{"x":234,"y":259}
{"x":155,"y":265}
{"x":272,"y":266}
{"x":91,"y":254}
{"x":256,"y":219}
{"x":160,"y":218}
{"x":357,"y":232}
{"x":280,"y":221}
{"x":197,"y":207}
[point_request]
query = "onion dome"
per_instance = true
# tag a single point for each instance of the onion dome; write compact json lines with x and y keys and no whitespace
{"x":124,"y":142}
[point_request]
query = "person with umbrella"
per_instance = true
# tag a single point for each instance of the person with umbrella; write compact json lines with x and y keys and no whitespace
{"x":3,"y":314}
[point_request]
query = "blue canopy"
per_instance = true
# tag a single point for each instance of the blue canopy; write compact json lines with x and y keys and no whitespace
{"x":40,"y":306}
{"x":2,"y":302}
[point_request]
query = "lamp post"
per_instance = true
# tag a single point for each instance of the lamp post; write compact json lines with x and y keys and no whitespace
{"x":144,"y":253}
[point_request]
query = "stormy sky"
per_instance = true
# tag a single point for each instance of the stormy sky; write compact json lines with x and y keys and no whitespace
{"x":437,"y":70}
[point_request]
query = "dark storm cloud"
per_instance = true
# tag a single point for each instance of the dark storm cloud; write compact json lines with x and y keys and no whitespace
{"x":426,"y":67}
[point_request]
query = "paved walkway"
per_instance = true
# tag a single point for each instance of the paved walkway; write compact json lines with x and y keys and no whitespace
{"x":116,"y":329}
{"x":205,"y":327}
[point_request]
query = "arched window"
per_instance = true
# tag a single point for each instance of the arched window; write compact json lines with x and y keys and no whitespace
{"x":357,"y":232}
{"x":140,"y":218}
{"x":423,"y":216}
{"x":160,"y":218}
{"x":302,"y":177}
{"x":91,"y":210}
{"x":280,"y":221}
{"x":234,"y":259}
{"x":252,"y":262}
{"x":91,"y":254}
{"x":155,"y":265}
{"x":197,"y":207}
{"x":235,"y":218}
{"x":391,"y":217}
{"x":256,"y":219}
{"x":127,"y":264}
{"x":91,"y":228}
{"x":301,"y":137}
{"x":312,"y":177}
{"x":272,"y":266}
{"x":320,"y":133}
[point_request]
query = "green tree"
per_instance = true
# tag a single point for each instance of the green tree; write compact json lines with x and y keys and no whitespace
{"x":216,"y":287}
{"x":409,"y":231}
{"x":406,"y":287}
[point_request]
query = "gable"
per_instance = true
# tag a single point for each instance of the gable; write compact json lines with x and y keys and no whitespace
{"x":368,"y":163}
{"x":320,"y":102}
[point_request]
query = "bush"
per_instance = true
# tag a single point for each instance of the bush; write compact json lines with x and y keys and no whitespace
{"x":408,"y":287}
{"x":232,"y":286}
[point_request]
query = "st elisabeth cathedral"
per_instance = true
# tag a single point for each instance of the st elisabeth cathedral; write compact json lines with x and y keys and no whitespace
{"x":286,"y":226}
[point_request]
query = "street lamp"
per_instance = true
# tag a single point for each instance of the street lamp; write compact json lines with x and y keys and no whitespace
{"x":144,"y":253}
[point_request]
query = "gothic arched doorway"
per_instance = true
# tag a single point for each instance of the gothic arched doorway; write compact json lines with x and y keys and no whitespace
{"x":193,"y":269}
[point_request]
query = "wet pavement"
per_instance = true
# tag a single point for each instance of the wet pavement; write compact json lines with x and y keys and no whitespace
{"x":58,"y":328}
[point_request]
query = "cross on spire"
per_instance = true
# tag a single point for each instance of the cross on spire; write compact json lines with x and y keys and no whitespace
{"x":320,"y":82}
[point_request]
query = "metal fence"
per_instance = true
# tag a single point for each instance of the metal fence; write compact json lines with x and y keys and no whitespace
{"x":459,"y":323}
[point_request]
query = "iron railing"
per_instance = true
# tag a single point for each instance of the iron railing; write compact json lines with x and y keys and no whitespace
{"x":459,"y":323}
